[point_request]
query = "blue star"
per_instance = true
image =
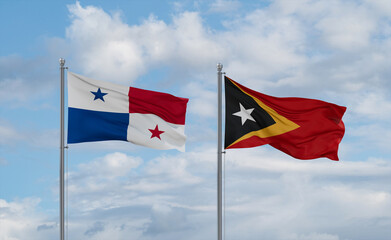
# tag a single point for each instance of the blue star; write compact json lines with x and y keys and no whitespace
{"x":99,"y":94}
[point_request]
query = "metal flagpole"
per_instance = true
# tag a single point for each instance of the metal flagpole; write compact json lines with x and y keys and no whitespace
{"x":62,"y":232}
{"x":219,"y":154}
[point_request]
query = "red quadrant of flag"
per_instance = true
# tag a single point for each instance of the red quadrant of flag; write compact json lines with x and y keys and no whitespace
{"x":170,"y":108}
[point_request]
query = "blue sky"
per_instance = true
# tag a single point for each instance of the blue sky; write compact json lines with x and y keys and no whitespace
{"x":337,"y":51}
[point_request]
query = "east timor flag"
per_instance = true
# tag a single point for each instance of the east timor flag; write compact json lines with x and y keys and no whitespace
{"x":303,"y":128}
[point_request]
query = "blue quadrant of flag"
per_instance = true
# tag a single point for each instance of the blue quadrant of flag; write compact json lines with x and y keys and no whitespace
{"x":89,"y":126}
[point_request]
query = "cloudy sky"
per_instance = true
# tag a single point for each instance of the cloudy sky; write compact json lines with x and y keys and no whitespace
{"x":336,"y":51}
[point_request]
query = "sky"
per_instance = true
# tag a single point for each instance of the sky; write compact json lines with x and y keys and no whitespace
{"x":335,"y":51}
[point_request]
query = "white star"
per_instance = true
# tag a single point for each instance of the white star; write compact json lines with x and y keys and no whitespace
{"x":244,"y":114}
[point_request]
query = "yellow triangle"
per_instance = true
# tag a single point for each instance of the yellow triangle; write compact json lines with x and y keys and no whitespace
{"x":281,"y":126}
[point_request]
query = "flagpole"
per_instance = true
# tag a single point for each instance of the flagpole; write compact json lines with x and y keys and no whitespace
{"x":219,"y":154}
{"x":62,"y":232}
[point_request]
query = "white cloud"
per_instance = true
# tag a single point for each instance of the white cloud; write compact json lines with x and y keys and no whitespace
{"x":371,"y":136}
{"x":262,"y":45}
{"x":21,"y":219}
{"x":373,"y":105}
{"x":224,"y":6}
{"x":175,"y":196}
{"x":120,"y":52}
{"x":165,"y":219}
{"x":381,"y":7}
{"x":203,"y":101}
{"x":314,"y":42}
{"x":266,"y":193}
{"x":347,"y":25}
{"x":104,"y":44}
{"x":112,"y":165}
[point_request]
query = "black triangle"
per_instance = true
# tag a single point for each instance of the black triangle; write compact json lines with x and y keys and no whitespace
{"x":233,"y":124}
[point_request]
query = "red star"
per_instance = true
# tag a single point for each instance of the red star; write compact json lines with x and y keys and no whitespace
{"x":156,"y":132}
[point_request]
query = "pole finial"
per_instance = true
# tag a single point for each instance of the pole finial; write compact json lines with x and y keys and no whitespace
{"x":219,"y":67}
{"x":62,"y":61}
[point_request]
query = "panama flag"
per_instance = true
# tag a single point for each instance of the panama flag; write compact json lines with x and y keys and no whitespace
{"x":100,"y":111}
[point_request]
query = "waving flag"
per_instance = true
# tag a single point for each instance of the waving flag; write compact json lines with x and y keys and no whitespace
{"x":100,"y":111}
{"x":303,"y":128}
